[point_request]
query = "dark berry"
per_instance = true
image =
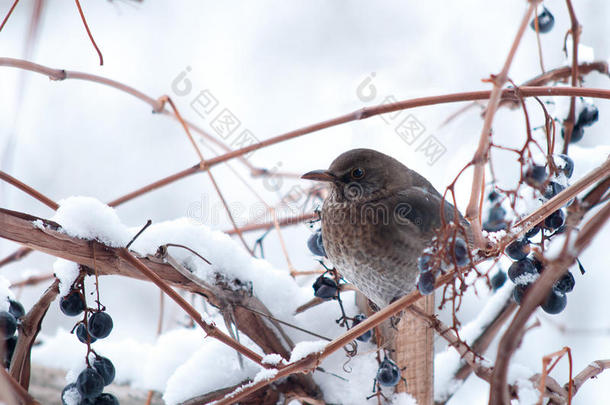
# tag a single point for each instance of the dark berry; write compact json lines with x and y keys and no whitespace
{"x":523,"y":269}
{"x":588,"y":116}
{"x":493,"y":196}
{"x":553,"y":189}
{"x":16,"y":309}
{"x":70,"y":395}
{"x":565,"y":284}
{"x":104,"y":366}
{"x":89,"y":383}
{"x":495,"y":220}
{"x":425,"y":284}
{"x":72,"y":304}
{"x":577,"y":133}
{"x":315,"y":245}
{"x":424,"y":262}
{"x":106,"y":399}
{"x":8,"y":324}
{"x":494,"y":226}
{"x":555,"y":220}
{"x":83,"y":335}
{"x":535,"y":175}
{"x":496,"y":213}
{"x":566,"y":165}
{"x":100,"y":325}
{"x":533,"y":232}
{"x":545,"y":21}
{"x":518,"y":249}
{"x":498,"y":280}
{"x":537,"y":264}
{"x":366,"y":336}
{"x":388,"y":374}
{"x":519,"y":292}
{"x":555,"y":302}
{"x":325,"y":287}
{"x":9,"y":350}
{"x":461,"y":252}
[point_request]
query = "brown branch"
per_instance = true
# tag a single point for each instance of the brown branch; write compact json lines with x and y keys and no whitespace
{"x":535,"y":295}
{"x":10,"y":11}
{"x":361,"y":114}
{"x":282,"y":222}
{"x":571,"y":120}
{"x":82,"y":16}
{"x":482,"y":342}
{"x":16,"y":393}
{"x":210,"y":329}
{"x":62,"y":74}
{"x":16,"y":255}
{"x":28,"y":330}
{"x":589,"y":372}
{"x":599,"y":174}
{"x":481,"y":155}
{"x":28,"y":190}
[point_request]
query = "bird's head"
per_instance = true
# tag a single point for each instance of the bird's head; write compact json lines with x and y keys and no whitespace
{"x":361,"y":175}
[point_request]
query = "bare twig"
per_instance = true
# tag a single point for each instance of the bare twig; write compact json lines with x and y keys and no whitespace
{"x":28,"y":330}
{"x":10,"y":11}
{"x":29,"y":190}
{"x":536,"y":293}
{"x":82,"y":16}
{"x":571,"y":120}
{"x":481,"y":155}
{"x":589,"y":372}
{"x":210,"y":329}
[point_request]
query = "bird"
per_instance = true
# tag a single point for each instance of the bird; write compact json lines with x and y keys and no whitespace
{"x":376,"y":220}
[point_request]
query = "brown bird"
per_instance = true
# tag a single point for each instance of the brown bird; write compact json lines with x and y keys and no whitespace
{"x":376,"y":221}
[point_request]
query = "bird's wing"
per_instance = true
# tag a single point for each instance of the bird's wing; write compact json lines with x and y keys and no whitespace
{"x":417,"y":209}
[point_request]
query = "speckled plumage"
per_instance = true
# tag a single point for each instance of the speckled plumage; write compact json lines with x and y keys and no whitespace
{"x":375,"y":227}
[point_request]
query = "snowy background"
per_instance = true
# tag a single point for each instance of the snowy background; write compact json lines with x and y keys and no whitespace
{"x":276,"y":66}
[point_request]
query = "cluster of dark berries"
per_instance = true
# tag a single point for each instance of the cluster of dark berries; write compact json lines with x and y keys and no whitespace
{"x":588,"y":114}
{"x":8,"y":329}
{"x":546,"y":21}
{"x":90,"y":382}
{"x":96,"y":326}
{"x":525,"y":270}
{"x":388,"y":373}
{"x":89,"y":385}
{"x":426,"y":264}
{"x":496,"y":216}
{"x":315,"y":245}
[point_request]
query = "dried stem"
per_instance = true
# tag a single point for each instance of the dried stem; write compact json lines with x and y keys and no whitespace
{"x":571,"y":120}
{"x":535,"y":295}
{"x":10,"y":11}
{"x":82,"y":16}
{"x":364,"y":113}
{"x":28,"y":330}
{"x":210,"y":329}
{"x":589,"y":372}
{"x":481,"y":155}
{"x":62,"y":74}
{"x":29,"y":190}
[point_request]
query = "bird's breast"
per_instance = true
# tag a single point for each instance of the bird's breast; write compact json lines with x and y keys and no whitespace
{"x":362,"y":243}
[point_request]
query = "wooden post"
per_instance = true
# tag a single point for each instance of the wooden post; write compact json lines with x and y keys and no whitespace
{"x":414,"y":349}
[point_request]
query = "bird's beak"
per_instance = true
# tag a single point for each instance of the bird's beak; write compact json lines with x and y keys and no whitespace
{"x":319,"y":175}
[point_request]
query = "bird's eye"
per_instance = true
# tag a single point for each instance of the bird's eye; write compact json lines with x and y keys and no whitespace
{"x":357,"y":173}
